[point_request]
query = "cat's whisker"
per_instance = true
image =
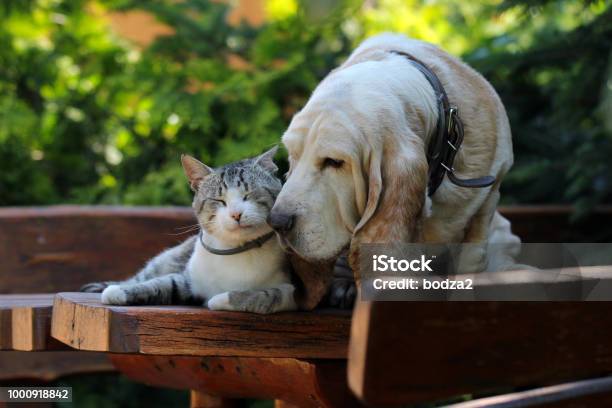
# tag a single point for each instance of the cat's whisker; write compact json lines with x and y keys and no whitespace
{"x":186,"y":231}
{"x":187,"y":227}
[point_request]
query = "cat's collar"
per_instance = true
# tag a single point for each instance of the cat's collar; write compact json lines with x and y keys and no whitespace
{"x":255,"y":243}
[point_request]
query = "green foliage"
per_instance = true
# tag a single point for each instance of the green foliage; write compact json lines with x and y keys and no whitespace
{"x":556,"y":88}
{"x":86,"y":117}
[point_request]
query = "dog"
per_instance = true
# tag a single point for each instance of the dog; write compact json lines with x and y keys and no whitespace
{"x":358,"y":162}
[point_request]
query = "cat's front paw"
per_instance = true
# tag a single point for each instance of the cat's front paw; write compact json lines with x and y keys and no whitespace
{"x":261,"y":301}
{"x":220,"y":302}
{"x":114,"y":295}
{"x":94,"y":287}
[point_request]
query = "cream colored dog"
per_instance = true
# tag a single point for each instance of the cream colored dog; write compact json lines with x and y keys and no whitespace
{"x":358,"y":167}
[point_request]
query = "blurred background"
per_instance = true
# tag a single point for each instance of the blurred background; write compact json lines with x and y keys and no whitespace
{"x":98,"y":99}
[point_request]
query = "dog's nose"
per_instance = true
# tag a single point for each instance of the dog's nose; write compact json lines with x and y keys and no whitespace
{"x":281,"y":222}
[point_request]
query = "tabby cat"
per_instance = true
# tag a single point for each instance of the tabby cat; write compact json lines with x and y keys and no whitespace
{"x":235,"y":263}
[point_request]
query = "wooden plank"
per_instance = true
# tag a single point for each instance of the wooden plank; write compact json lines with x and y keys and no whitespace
{"x":410,"y":352}
{"x":198,"y":399}
{"x":586,"y":393}
{"x":554,"y":223}
{"x":587,"y":401}
{"x":82,"y":322}
{"x":25,"y":322}
{"x":6,"y":329}
{"x":50,"y":365}
{"x":25,"y":325}
{"x":305,"y":383}
{"x":54,"y":249}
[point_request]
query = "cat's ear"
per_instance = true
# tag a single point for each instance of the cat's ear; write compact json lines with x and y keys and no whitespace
{"x":266,"y":160}
{"x":194,"y":170}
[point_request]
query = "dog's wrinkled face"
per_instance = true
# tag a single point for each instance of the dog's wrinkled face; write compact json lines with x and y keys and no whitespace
{"x":350,"y":139}
{"x":321,"y":201}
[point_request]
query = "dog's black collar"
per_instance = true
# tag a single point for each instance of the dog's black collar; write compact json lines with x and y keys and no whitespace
{"x":256,"y":243}
{"x":447,"y":139}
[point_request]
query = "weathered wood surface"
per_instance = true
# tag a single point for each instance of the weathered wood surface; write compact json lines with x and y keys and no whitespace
{"x":25,"y":322}
{"x":82,"y":322}
{"x":409,"y":352}
{"x":53,"y":249}
{"x":305,"y":383}
{"x":50,"y":365}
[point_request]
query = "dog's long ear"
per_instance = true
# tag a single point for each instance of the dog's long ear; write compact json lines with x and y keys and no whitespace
{"x":396,"y":177}
{"x":311,"y":281}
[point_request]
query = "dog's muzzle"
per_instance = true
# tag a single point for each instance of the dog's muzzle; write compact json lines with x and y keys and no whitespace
{"x":281,"y":222}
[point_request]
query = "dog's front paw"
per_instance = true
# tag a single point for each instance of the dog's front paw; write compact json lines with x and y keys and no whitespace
{"x":220,"y":302}
{"x":114,"y":295}
{"x":342,"y":294}
{"x":342,"y":290}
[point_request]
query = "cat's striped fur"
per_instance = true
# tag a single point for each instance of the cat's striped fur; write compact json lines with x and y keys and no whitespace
{"x":231,"y":204}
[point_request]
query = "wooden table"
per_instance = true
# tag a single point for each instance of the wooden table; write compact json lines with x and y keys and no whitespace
{"x":299,"y":358}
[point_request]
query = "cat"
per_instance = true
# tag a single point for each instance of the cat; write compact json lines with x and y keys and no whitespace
{"x":235,"y":263}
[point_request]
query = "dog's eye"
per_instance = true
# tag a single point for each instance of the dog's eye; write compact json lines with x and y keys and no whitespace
{"x":329,"y":162}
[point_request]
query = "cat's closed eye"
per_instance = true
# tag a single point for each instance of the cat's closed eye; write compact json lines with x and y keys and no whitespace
{"x":220,"y":201}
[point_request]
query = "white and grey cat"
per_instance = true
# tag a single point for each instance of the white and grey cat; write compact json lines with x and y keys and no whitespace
{"x":236,"y":263}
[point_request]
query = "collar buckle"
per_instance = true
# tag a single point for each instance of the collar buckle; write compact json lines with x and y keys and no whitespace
{"x":453,"y":113}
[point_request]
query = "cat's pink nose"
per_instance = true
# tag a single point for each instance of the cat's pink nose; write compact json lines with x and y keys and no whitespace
{"x":236,"y":215}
